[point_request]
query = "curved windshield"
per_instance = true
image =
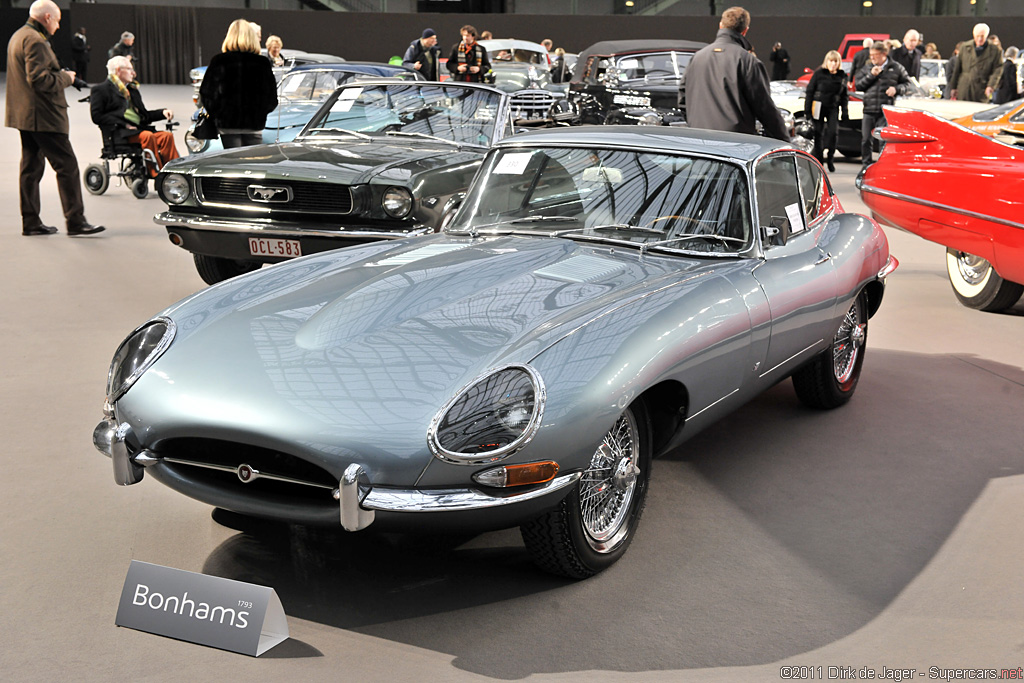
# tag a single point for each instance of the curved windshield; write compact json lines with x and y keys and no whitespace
{"x":452,"y":113}
{"x":511,"y":80}
{"x":674,"y":201}
{"x":993,"y":113}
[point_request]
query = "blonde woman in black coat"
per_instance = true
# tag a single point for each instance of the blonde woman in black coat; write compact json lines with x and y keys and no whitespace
{"x":239,"y":89}
{"x":827,"y":96}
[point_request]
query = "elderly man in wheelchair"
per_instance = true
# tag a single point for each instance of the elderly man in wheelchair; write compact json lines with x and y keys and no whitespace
{"x":118,"y":110}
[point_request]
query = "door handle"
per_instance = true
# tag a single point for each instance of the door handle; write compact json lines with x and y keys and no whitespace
{"x":825,"y":257}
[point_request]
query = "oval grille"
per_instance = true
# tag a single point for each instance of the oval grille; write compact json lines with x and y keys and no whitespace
{"x":307,"y":197}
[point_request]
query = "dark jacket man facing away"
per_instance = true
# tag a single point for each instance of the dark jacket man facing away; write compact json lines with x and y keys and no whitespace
{"x":726,"y":87}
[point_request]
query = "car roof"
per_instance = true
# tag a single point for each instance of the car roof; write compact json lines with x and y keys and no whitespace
{"x":378,"y":68}
{"x":668,"y":139}
{"x":620,"y":47}
{"x":511,"y":44}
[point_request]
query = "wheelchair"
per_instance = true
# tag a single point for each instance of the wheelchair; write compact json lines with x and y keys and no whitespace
{"x":121,"y":159}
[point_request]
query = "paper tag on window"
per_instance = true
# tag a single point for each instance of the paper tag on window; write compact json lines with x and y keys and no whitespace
{"x":292,"y":84}
{"x":513,"y":164}
{"x":350,"y":94}
{"x":796,"y":218}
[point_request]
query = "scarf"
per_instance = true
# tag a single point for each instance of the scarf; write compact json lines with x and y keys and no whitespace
{"x":130,"y":114}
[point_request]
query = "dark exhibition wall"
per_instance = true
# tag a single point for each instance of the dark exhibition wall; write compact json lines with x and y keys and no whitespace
{"x":171,"y":40}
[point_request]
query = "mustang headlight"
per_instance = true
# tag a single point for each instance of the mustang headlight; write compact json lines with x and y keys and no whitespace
{"x":136,"y":354}
{"x":491,"y":418}
{"x":175,"y":188}
{"x":397,"y":202}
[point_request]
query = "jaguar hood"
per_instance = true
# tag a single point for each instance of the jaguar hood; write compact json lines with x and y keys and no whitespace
{"x":355,"y":350}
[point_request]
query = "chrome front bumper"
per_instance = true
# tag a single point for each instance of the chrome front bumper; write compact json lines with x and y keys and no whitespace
{"x":267,"y":227}
{"x":358,"y":499}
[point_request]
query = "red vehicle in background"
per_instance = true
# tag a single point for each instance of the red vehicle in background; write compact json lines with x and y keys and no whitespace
{"x":851,"y":44}
{"x":960,"y":189}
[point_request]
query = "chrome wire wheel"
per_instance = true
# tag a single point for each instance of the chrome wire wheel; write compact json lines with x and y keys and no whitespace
{"x":608,"y":485}
{"x":846,"y":345}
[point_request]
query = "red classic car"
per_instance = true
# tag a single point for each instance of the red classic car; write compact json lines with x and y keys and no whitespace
{"x":960,"y":189}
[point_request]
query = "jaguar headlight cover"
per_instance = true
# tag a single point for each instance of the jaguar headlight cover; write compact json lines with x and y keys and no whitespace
{"x":136,"y":354}
{"x":491,"y":418}
{"x":397,"y":202}
{"x":175,"y":188}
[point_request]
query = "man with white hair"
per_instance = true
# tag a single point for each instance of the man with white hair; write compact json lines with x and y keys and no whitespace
{"x":976,"y":72}
{"x":117,"y":108}
{"x":908,"y":55}
{"x":36,"y":106}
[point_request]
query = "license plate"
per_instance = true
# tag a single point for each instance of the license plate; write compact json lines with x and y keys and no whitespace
{"x":261,"y":246}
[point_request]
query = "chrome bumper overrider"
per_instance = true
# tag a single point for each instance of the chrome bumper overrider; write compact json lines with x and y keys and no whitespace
{"x":267,"y":226}
{"x":358,"y":499}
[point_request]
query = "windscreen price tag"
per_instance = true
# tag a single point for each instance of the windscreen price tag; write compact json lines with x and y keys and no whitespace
{"x":346,"y":99}
{"x":513,"y":164}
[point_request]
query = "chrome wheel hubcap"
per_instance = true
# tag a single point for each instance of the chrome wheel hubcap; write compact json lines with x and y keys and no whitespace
{"x":608,"y":485}
{"x":973,"y":269}
{"x":846,"y":345}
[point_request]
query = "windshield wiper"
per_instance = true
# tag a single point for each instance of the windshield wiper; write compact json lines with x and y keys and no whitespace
{"x":422,"y":135}
{"x":353,"y":133}
{"x":626,"y":227}
{"x":473,"y":231}
{"x":691,"y":236}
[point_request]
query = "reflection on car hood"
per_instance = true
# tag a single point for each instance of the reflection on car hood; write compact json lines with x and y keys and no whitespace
{"x":348,"y":162}
{"x":357,"y":349}
{"x":292,"y":114}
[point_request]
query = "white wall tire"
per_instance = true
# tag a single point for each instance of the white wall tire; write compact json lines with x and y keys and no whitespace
{"x":976,"y":283}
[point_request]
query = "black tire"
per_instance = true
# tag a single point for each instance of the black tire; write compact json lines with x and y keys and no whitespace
{"x":977,"y":285}
{"x":95,"y":178}
{"x":577,"y":539}
{"x":140,"y":188}
{"x":830,"y":379}
{"x":214,"y":269}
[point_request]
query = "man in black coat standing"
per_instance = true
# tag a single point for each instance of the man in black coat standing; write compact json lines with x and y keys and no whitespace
{"x":424,"y":55}
{"x":80,"y":53}
{"x":780,"y":62}
{"x":860,"y":59}
{"x":908,"y":55}
{"x":881,"y":79}
{"x":726,"y":87}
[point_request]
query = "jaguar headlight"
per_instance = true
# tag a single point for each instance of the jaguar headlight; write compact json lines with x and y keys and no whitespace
{"x":397,"y":202}
{"x":491,"y":418}
{"x":649,"y":118}
{"x":194,"y":144}
{"x":136,"y":354}
{"x":175,"y":188}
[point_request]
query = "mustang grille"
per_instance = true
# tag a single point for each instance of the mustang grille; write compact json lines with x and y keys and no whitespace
{"x":217,"y":463}
{"x":307,"y":197}
{"x":531,"y":104}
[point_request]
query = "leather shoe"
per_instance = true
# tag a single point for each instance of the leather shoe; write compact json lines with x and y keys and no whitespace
{"x":831,"y":166}
{"x":38,"y":230}
{"x":85,"y":229}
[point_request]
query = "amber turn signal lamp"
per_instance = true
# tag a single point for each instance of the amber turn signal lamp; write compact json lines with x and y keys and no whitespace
{"x":518,"y":475}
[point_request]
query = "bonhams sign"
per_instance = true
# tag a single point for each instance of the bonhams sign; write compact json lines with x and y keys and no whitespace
{"x":209,"y":610}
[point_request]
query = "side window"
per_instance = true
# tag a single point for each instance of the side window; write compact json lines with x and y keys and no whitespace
{"x":813,"y":188}
{"x":778,"y":200}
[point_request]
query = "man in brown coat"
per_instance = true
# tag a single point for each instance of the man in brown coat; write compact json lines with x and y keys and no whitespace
{"x":976,"y":72}
{"x":37,"y":108}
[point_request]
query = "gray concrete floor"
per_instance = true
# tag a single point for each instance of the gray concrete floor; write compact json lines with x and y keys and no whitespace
{"x":883,"y":534}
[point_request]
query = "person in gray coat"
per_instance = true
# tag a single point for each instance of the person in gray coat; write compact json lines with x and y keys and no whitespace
{"x":976,"y":72}
{"x":725,"y":87}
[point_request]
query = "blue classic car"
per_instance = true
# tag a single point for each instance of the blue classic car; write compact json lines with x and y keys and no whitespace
{"x":601,"y":295}
{"x":380,"y":159}
{"x":300,"y":92}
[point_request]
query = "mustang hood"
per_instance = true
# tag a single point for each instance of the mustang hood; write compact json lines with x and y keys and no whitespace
{"x":351,"y":163}
{"x":354,"y":351}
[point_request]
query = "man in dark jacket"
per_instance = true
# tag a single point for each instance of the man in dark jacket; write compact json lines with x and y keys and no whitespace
{"x":468,"y":61}
{"x":861,"y":58}
{"x":881,"y":80}
{"x":36,"y":106}
{"x":80,"y":53}
{"x":125,"y":47}
{"x":726,"y":87}
{"x":908,"y":55}
{"x":976,"y":72}
{"x":780,"y":62}
{"x":424,"y":55}
{"x":117,"y":108}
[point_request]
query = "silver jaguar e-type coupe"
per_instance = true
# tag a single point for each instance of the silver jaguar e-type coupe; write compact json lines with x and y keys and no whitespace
{"x":601,"y":295}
